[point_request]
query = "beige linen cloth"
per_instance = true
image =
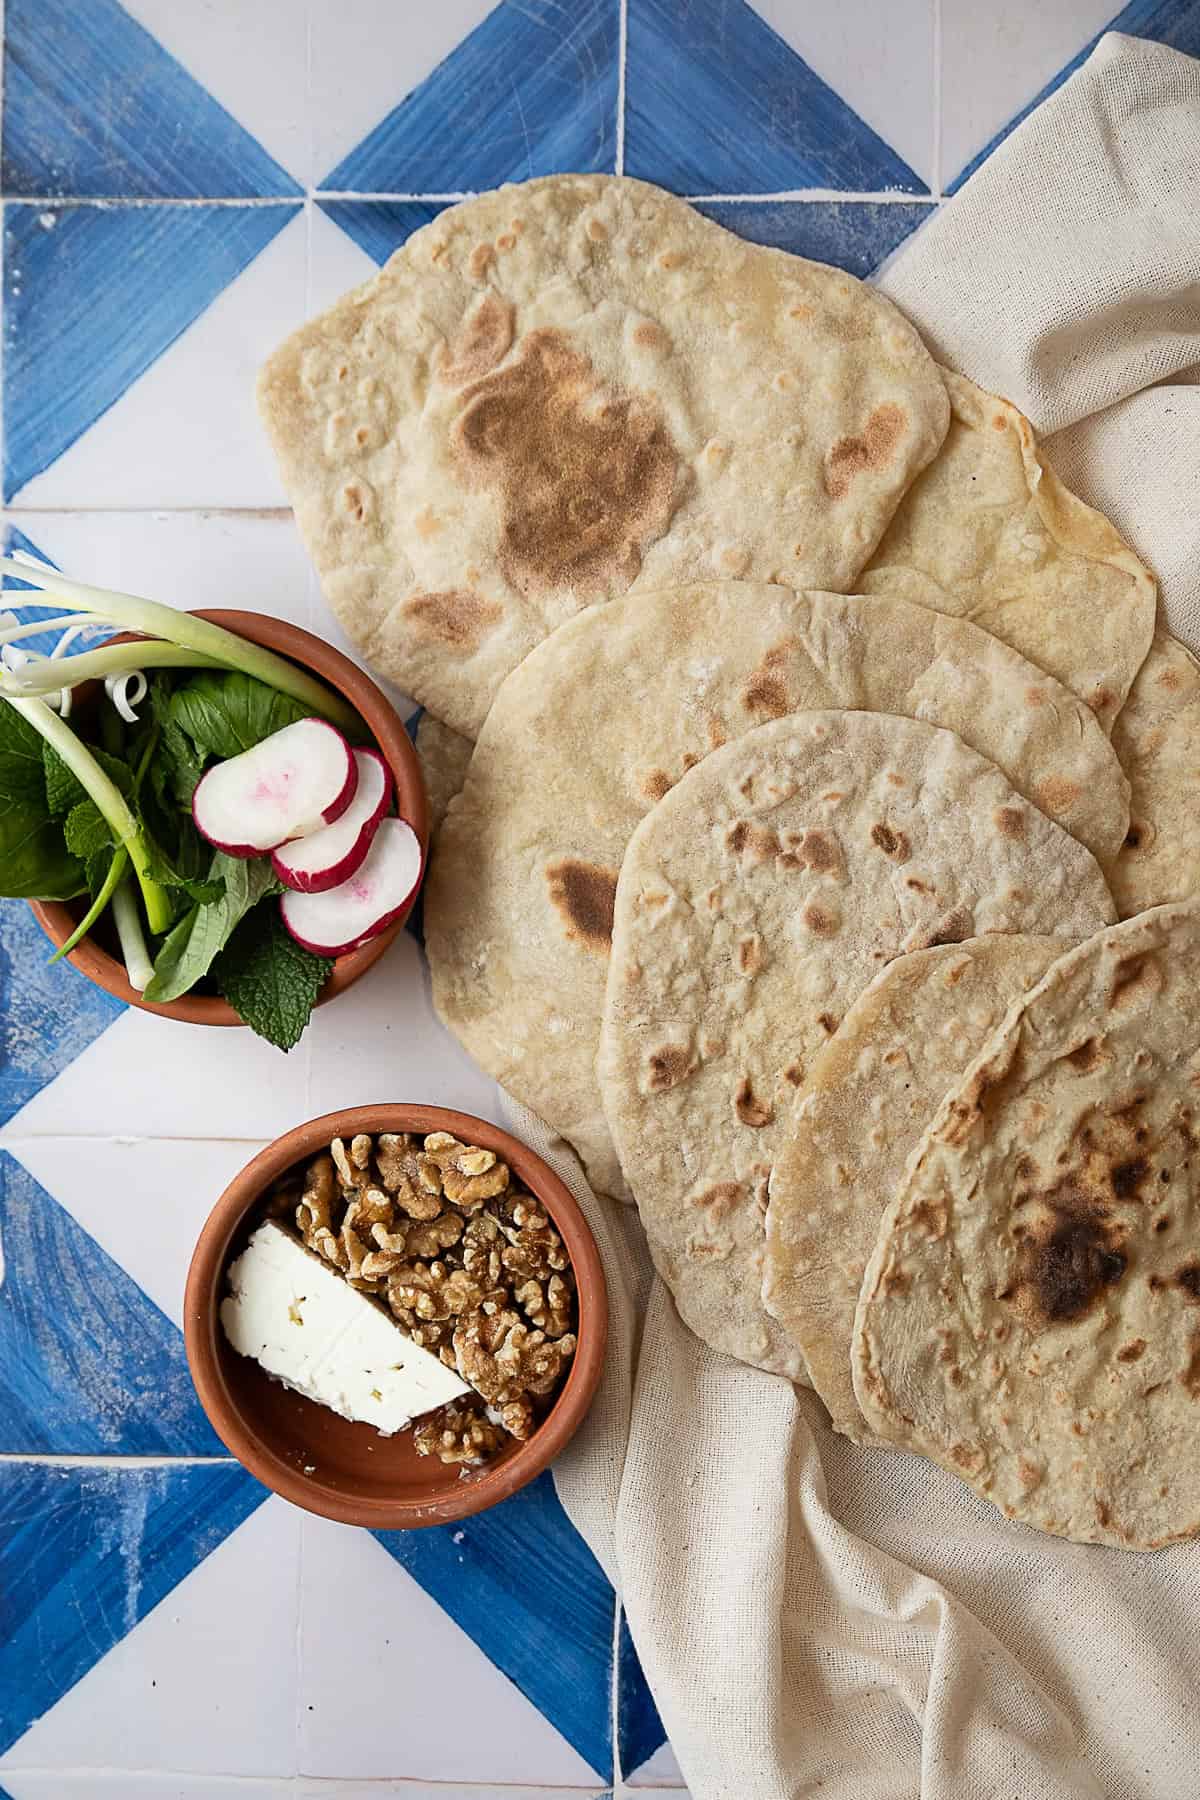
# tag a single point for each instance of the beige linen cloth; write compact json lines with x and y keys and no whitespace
{"x":818,"y":1619}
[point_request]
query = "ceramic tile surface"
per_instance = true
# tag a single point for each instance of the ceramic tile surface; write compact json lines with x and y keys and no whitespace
{"x":182,"y":184}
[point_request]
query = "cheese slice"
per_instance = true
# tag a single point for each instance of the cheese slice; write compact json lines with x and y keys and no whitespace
{"x":311,"y":1330}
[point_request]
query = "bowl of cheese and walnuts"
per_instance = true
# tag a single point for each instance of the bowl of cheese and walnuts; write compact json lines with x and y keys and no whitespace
{"x":396,"y":1316}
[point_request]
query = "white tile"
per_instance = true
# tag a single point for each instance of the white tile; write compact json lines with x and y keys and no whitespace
{"x":995,"y":59}
{"x":253,"y":59}
{"x":186,"y":559}
{"x":879,"y":59}
{"x":419,"y":1790}
{"x":148,"y":1076}
{"x":366,"y":55}
{"x":206,"y":1682}
{"x":143,"y":1202}
{"x":386,"y":1679}
{"x":186,"y":433}
{"x":382,"y":1041}
{"x":336,"y":263}
{"x":659,"y":1771}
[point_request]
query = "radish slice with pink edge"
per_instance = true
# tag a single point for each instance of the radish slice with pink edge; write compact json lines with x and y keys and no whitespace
{"x":312,"y":864}
{"x":357,"y":910}
{"x":295,"y":782}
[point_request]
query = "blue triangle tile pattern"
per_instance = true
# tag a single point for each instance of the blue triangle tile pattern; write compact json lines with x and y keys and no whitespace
{"x":15,"y":539}
{"x":855,"y":235}
{"x":85,"y":1553}
{"x":380,"y":226}
{"x":48,"y":1015}
{"x":94,"y":106}
{"x":522,"y":1584}
{"x":532,"y":91}
{"x":93,"y":296}
{"x":717,"y":103}
{"x":640,"y":1730}
{"x":88,"y":1364}
{"x":1172,"y":22}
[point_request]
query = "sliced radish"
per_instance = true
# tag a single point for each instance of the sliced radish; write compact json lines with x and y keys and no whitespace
{"x":293,"y":783}
{"x":357,"y":910}
{"x":313,"y":864}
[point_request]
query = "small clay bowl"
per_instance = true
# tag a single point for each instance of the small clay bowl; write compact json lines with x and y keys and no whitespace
{"x":58,"y":919}
{"x":330,"y":1465}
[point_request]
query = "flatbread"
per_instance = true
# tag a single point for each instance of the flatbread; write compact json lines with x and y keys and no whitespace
{"x":991,"y":534}
{"x":867,"y":1103}
{"x":599,"y":722}
{"x":755,"y":903}
{"x":1157,"y":737}
{"x":444,"y":756}
{"x":573,"y":386}
{"x":1030,"y":1317}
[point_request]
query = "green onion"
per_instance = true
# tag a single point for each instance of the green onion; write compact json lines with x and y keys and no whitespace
{"x":127,"y":920}
{"x":110,"y":659}
{"x":187,"y":632}
{"x":116,"y":870}
{"x":108,"y":797}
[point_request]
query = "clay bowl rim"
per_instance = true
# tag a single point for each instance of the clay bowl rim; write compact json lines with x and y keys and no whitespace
{"x":327,"y":1498}
{"x":387,"y":730}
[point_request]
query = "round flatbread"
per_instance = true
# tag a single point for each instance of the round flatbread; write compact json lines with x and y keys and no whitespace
{"x":567,"y":388}
{"x":1157,"y":737}
{"x":444,"y":756}
{"x":864,"y":1108}
{"x":599,"y":722}
{"x":1030,"y":1317}
{"x":989,"y":532}
{"x":755,"y":903}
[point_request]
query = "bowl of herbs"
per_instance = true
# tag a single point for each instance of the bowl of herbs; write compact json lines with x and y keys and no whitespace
{"x":250,"y":902}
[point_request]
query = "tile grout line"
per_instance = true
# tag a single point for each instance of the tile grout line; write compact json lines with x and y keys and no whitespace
{"x":622,"y":50}
{"x":101,"y":1461}
{"x":618,"y":1771}
{"x":110,"y":202}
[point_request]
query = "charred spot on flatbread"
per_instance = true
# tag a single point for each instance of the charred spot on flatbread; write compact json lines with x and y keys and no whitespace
{"x":484,"y":336}
{"x":459,"y":618}
{"x":893,"y":843}
{"x":766,"y":691}
{"x":668,"y":1066}
{"x":870,"y":449}
{"x":587,"y":475}
{"x":584,"y":895}
{"x":749,"y":1108}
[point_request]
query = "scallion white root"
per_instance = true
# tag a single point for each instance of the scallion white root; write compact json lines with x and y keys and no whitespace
{"x":128,"y":921}
{"x":127,"y":692}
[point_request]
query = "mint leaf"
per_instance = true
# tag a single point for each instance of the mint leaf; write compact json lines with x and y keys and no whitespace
{"x":64,"y":790}
{"x":35,"y":863}
{"x":189,"y":949}
{"x":224,"y":714}
{"x":270,"y":979}
{"x":87,"y":831}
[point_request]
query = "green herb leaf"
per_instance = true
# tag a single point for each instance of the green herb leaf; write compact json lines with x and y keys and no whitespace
{"x":87,"y":832}
{"x":189,"y":949}
{"x":226,"y":714}
{"x":177,"y":765}
{"x":35,"y":863}
{"x":270,"y":979}
{"x":64,"y":790}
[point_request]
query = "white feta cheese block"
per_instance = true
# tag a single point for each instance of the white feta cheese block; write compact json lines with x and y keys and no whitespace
{"x":311,"y":1330}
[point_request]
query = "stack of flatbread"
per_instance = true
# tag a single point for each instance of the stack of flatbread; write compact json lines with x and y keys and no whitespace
{"x":798,"y":741}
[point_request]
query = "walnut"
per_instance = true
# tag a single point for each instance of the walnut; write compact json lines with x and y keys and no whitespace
{"x":534,"y":1250}
{"x":434,"y":1290}
{"x":315,"y":1210}
{"x":425,"y":1240}
{"x":518,"y":1418}
{"x":546,"y":1304}
{"x":533,"y":1363}
{"x":469,"y":1176}
{"x":481,"y":1243}
{"x":369,"y":1209}
{"x":350,"y":1173}
{"x":458,"y":1433}
{"x":354,"y":1248}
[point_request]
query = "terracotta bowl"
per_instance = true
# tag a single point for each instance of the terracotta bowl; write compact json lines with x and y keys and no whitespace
{"x":328,"y":1464}
{"x":58,"y":920}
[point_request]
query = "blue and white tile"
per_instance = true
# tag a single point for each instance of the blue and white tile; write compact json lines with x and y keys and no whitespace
{"x":87,"y":1551}
{"x":132,"y":339}
{"x":367,"y":56}
{"x":368,"y":1632}
{"x":205,"y":1680}
{"x":97,"y":107}
{"x":533,"y":89}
